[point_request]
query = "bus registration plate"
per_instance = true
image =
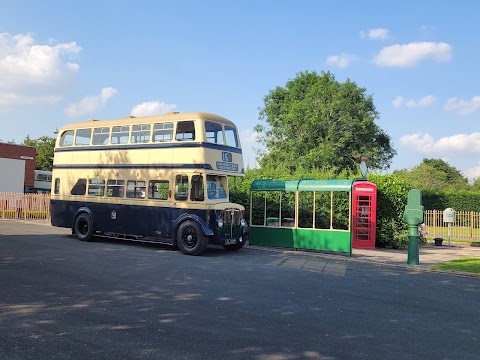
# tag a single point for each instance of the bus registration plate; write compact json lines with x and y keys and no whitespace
{"x":230,"y":241}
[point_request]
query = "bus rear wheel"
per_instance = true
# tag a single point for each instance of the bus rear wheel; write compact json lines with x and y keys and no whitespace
{"x":83,"y":227}
{"x":190,"y":238}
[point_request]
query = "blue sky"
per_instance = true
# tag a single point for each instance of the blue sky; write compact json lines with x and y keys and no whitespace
{"x":66,"y":61}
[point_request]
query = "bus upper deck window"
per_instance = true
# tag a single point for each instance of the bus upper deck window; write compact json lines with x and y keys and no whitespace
{"x":120,"y":134}
{"x":82,"y":137}
{"x":67,"y":138}
{"x":162,"y":132}
{"x":231,"y":136}
{"x":100,"y":136}
{"x":185,"y":131}
{"x":213,"y":132}
{"x":140,"y":134}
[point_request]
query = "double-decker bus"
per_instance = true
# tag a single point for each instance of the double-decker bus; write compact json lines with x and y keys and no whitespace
{"x":154,"y":178}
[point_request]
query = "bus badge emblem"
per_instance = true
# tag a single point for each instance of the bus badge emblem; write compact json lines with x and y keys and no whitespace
{"x":114,"y":215}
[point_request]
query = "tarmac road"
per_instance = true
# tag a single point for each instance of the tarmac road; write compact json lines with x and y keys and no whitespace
{"x":65,"y":299}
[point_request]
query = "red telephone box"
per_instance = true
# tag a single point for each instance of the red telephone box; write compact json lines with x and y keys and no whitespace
{"x":364,"y":210}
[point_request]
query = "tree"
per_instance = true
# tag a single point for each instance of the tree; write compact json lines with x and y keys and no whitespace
{"x":315,"y":122}
{"x":434,"y":174}
{"x":476,"y":184}
{"x":45,"y":146}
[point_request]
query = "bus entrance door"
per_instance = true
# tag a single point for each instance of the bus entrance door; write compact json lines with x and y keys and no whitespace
{"x":364,"y":209}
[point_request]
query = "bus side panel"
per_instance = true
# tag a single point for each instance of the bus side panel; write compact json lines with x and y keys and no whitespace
{"x":151,"y":221}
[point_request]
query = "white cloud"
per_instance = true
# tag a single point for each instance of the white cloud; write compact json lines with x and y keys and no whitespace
{"x":152,"y":108}
{"x":11,"y":98}
{"x":472,"y":173}
{"x":91,"y":104}
{"x":413,"y":53}
{"x":397,"y":102}
{"x":463,"y":107}
{"x":250,"y":147}
{"x":24,"y":63}
{"x":466,"y":145}
{"x":375,"y":34}
{"x":32,"y":73}
{"x":248,"y":137}
{"x":341,"y":61}
{"x":411,"y":103}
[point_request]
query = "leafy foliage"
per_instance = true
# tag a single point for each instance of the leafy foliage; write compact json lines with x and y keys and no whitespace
{"x":434,"y":174}
{"x":476,"y":184}
{"x":463,"y":200}
{"x":392,"y":192}
{"x":315,"y":122}
{"x":45,"y":146}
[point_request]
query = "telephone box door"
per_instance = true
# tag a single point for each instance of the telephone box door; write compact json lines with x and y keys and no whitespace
{"x":364,"y":210}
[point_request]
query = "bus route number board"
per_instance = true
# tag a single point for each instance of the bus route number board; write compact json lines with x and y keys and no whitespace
{"x":226,"y":163}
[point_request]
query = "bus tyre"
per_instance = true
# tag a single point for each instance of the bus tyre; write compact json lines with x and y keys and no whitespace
{"x":235,"y":247}
{"x":190,"y":238}
{"x":83,"y":227}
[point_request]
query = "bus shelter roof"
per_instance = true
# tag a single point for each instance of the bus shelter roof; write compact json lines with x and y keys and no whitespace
{"x":302,"y":185}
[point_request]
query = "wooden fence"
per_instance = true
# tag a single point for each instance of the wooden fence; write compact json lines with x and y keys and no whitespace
{"x":24,"y":206}
{"x":465,"y":227}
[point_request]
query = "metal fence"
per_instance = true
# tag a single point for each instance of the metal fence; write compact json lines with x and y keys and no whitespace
{"x":465,"y":227}
{"x":24,"y":206}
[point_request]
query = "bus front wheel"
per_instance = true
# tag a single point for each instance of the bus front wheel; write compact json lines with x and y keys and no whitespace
{"x":190,"y":238}
{"x":83,"y":227}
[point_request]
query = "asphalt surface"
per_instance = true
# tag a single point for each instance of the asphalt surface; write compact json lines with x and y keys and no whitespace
{"x":65,"y":299}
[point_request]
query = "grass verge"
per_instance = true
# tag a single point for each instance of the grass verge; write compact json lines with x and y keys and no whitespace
{"x":470,"y":265}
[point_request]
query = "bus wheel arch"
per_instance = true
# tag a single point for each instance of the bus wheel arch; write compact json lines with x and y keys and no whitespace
{"x":190,"y":238}
{"x":83,"y":226}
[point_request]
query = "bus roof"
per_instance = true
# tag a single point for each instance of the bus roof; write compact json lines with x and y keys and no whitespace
{"x":132,"y":120}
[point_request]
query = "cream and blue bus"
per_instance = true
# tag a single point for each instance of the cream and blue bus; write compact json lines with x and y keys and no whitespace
{"x":155,"y":178}
{"x":43,"y":181}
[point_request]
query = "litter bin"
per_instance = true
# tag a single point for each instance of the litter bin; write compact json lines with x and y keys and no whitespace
{"x":288,"y":222}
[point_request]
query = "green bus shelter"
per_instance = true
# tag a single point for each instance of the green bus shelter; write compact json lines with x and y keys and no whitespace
{"x":302,"y":214}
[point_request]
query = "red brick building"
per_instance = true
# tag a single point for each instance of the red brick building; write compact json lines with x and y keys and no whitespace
{"x":21,"y":152}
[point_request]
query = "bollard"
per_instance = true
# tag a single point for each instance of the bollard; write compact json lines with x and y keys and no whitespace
{"x":413,"y":216}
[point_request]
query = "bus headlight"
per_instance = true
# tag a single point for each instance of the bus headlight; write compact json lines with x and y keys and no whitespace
{"x":220,"y":222}
{"x":243,"y":223}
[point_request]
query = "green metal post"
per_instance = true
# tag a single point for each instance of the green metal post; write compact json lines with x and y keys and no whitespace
{"x":413,"y":251}
{"x":413,"y":216}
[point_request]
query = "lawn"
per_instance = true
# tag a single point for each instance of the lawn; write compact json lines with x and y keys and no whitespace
{"x":470,"y":265}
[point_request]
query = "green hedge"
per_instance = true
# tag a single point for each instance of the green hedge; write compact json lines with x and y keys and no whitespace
{"x":463,"y":200}
{"x":392,"y":193}
{"x":12,"y":214}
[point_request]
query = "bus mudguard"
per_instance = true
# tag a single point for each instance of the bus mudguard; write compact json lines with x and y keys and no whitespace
{"x":83,"y":209}
{"x":206,"y":229}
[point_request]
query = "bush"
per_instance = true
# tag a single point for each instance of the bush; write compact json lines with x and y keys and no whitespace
{"x":392,"y":194}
